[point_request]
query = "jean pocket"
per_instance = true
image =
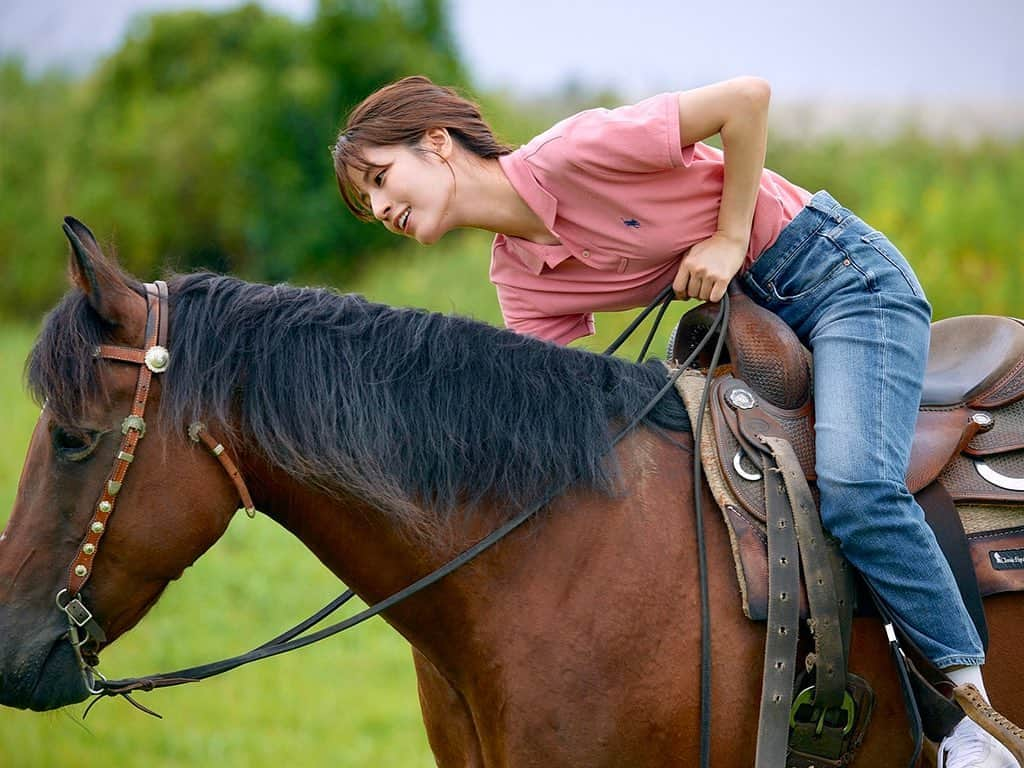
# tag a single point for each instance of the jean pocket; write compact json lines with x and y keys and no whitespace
{"x":807,"y":276}
{"x":881,"y":245}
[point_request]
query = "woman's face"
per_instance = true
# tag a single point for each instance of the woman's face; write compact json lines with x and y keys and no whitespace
{"x":408,"y":190}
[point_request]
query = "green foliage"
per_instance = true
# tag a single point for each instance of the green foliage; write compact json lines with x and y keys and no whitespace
{"x":204,"y":141}
{"x":953,"y":211}
{"x":33,"y":129}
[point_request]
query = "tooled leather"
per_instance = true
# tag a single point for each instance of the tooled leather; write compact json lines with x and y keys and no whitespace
{"x":1007,"y":433}
{"x":961,"y":479}
{"x":1008,"y":389}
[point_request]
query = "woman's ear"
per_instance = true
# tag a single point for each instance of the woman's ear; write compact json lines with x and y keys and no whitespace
{"x":438,"y":140}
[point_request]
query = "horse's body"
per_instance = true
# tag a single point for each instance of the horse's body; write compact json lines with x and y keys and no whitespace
{"x":574,"y":642}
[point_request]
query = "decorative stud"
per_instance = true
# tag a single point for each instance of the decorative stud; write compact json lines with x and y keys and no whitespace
{"x":122,"y":456}
{"x":97,"y":527}
{"x":81,"y":570}
{"x":113,"y":487}
{"x":742,"y":399}
{"x":194,"y":429}
{"x":89,"y":549}
{"x":105,"y":507}
{"x":983,"y":420}
{"x":218,"y":450}
{"x":134,"y":422}
{"x":157,"y":359}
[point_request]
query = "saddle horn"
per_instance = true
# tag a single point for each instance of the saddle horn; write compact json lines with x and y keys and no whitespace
{"x":762,"y":349}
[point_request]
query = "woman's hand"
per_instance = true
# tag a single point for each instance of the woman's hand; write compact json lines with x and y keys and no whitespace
{"x":708,"y":267}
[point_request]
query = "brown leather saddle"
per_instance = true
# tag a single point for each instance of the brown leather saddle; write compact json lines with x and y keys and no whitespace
{"x":969,"y":441}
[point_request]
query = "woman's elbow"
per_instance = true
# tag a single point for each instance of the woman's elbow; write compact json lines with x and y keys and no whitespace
{"x":755,"y":90}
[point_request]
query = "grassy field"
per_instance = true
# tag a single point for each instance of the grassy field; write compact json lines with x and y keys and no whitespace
{"x":350,"y":701}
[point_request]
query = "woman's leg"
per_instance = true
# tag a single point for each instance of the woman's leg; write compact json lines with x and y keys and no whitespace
{"x":870,"y":351}
{"x":853,"y":299}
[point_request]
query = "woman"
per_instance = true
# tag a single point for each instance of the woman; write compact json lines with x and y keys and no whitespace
{"x":607,"y":207}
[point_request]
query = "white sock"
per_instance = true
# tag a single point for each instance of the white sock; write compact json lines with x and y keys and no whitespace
{"x":972,"y":675}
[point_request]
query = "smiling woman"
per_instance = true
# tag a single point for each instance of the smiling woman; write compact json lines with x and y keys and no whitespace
{"x":384,"y":141}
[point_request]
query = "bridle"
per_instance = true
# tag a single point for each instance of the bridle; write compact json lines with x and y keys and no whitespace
{"x":86,"y":636}
{"x":84,"y":632}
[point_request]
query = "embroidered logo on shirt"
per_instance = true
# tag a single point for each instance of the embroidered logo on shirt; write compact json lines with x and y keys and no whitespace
{"x":631,"y":223}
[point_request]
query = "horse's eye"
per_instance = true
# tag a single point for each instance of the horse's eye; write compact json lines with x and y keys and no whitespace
{"x":74,"y":444}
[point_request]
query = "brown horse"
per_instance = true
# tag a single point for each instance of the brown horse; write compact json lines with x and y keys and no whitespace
{"x":387,"y":440}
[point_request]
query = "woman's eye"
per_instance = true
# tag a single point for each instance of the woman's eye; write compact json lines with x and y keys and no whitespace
{"x":379,"y":178}
{"x":74,"y":444}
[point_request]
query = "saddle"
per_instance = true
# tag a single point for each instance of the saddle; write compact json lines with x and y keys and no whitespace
{"x":757,"y":451}
{"x":969,"y":441}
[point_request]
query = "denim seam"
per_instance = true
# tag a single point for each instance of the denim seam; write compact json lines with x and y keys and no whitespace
{"x":867,"y":274}
{"x":897,"y":267}
{"x":885,"y":364}
{"x":958,"y":661}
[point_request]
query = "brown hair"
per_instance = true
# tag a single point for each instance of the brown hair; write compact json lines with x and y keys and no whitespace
{"x":400,"y":113}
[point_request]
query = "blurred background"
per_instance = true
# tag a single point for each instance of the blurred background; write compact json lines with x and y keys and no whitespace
{"x":196,"y":134}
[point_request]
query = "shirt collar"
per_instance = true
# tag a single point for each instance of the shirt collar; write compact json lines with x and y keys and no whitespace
{"x":540,"y":201}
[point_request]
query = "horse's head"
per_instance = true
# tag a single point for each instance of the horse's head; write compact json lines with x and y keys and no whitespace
{"x":173,"y":504}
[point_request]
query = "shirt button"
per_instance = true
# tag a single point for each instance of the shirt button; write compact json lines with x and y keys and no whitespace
{"x":586,"y":254}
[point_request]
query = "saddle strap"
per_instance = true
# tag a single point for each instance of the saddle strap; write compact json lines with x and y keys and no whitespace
{"x":783,"y":623}
{"x":824,"y":603}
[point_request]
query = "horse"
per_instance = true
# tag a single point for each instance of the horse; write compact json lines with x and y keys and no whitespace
{"x":388,"y":440}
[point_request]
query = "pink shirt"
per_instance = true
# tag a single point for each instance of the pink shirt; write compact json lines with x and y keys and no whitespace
{"x":626,"y":201}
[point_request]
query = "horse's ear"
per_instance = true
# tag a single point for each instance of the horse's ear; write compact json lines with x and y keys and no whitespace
{"x":102,"y":282}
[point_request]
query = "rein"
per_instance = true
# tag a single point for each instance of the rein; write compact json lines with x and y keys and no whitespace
{"x":85,"y":634}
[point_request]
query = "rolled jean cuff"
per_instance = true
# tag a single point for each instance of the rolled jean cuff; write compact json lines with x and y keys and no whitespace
{"x":958,"y":661}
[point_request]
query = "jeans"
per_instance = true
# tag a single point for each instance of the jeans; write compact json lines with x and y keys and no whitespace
{"x":854,"y":300}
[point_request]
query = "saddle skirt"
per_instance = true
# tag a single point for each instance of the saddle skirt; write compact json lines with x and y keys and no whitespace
{"x":969,"y":440}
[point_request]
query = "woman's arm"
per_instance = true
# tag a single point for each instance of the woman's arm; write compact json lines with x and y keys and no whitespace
{"x":738,"y":110}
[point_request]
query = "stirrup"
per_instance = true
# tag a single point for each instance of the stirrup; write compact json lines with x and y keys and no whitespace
{"x":830,"y":738}
{"x":998,"y":726}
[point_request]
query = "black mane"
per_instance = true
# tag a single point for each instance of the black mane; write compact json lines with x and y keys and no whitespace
{"x":405,"y":408}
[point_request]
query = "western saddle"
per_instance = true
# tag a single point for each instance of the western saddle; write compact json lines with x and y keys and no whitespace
{"x":757,"y":449}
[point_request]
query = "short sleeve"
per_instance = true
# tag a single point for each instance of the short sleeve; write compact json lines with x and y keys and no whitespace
{"x":638,"y":138}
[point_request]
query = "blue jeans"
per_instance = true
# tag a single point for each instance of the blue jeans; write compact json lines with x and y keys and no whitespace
{"x":853,"y":299}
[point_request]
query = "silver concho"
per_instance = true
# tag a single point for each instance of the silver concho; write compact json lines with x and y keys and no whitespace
{"x":157,"y":359}
{"x":983,"y":420}
{"x":741,"y":398}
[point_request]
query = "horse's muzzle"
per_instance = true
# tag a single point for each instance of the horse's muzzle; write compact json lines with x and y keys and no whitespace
{"x":41,"y":678}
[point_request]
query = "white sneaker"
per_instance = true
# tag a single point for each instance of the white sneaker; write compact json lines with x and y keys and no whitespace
{"x":970,"y":746}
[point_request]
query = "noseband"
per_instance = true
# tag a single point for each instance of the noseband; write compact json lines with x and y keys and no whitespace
{"x":84,"y":632}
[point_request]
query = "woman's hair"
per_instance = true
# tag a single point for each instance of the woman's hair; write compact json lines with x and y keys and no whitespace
{"x":401,"y":113}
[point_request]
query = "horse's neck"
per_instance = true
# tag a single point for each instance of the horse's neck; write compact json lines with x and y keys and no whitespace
{"x":587,"y":552}
{"x":376,"y":559}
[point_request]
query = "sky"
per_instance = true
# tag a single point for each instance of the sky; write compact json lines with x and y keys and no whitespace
{"x":892,"y":51}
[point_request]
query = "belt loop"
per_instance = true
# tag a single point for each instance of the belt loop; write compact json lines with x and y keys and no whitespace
{"x":828,"y":205}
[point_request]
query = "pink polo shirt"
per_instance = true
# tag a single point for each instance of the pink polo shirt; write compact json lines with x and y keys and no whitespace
{"x":626,"y":201}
